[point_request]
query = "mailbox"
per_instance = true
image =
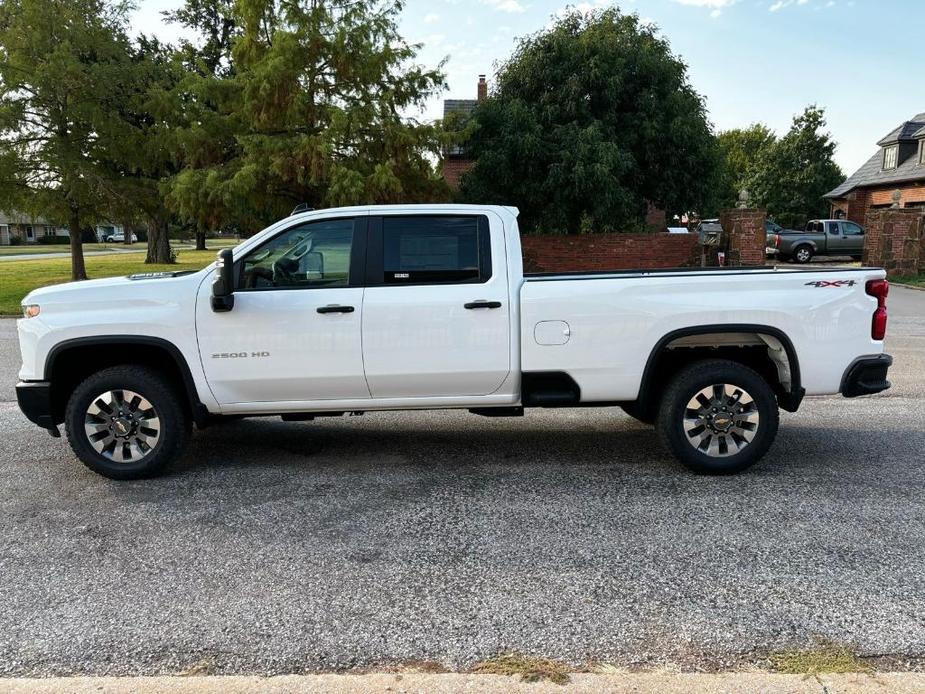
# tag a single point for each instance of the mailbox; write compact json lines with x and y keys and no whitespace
{"x":711,"y":234}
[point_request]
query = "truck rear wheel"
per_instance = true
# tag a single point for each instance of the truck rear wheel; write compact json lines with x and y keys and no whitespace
{"x":718,"y":417}
{"x":803,"y":254}
{"x":126,"y":422}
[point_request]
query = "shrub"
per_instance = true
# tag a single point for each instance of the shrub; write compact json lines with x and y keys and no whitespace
{"x":54,"y":240}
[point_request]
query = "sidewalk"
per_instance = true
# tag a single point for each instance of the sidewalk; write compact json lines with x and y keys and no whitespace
{"x":642,"y":683}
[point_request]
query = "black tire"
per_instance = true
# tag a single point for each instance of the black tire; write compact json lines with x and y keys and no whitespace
{"x":804,"y":250}
{"x":172,"y":427}
{"x":705,"y":375}
{"x":646,"y":415}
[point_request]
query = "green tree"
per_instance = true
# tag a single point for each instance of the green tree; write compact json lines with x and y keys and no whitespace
{"x":740,"y":149}
{"x":146,"y":155}
{"x":588,"y":123}
{"x":306,"y":107}
{"x":63,"y":69}
{"x":792,"y":174}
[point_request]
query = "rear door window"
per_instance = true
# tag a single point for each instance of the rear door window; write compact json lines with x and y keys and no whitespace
{"x":434,"y":249}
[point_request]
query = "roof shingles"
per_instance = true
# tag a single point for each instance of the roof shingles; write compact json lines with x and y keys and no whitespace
{"x":872,"y":172}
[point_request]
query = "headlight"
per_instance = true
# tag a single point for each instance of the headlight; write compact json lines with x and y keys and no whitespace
{"x":31,"y":310}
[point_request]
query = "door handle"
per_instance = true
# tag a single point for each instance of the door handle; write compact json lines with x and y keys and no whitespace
{"x":483,"y":304}
{"x":335,"y":309}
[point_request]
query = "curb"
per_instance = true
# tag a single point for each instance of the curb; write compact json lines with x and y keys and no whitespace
{"x":907,"y":286}
{"x":415,"y":683}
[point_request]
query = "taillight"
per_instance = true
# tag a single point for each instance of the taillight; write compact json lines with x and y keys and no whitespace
{"x":878,"y":289}
{"x":777,"y":240}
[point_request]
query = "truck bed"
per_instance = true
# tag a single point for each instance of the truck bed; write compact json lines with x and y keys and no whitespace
{"x":614,"y":322}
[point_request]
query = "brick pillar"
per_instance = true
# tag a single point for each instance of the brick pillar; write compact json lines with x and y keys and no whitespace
{"x":745,"y":235}
{"x":894,"y":239}
{"x":482,"y":91}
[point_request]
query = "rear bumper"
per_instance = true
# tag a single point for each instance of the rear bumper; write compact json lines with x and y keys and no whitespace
{"x":34,"y":399}
{"x":866,"y":376}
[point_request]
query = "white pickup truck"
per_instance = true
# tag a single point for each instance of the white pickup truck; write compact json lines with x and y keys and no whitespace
{"x":425,"y":307}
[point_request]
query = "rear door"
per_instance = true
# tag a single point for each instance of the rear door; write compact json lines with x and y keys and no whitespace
{"x":436,"y":315}
{"x":834,"y":240}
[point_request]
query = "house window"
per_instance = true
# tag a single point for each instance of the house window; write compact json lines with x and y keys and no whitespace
{"x":922,"y":151}
{"x":889,"y":156}
{"x":49,"y":231}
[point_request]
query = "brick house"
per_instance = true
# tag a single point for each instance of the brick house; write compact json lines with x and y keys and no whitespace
{"x":899,"y":165}
{"x":455,"y":159}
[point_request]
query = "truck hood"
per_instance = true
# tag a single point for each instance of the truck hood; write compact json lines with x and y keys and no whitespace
{"x":143,"y":288}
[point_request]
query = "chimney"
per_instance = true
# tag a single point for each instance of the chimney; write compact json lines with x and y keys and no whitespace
{"x":483,"y":88}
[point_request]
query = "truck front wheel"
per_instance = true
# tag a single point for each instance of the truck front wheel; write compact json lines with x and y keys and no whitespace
{"x":126,"y":422}
{"x":718,"y":417}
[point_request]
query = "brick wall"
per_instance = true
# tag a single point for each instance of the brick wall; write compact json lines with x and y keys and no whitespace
{"x":908,"y":193}
{"x":588,"y":252}
{"x":453,"y":169}
{"x":894,"y":239}
{"x":859,"y":202}
{"x":745,"y":236}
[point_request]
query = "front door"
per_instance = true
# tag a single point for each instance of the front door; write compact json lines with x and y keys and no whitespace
{"x":436,"y":313}
{"x":294,"y":332}
{"x":853,"y":236}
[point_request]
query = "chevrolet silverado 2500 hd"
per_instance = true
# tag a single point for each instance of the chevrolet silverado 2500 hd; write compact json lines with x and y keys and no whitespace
{"x":425,"y":307}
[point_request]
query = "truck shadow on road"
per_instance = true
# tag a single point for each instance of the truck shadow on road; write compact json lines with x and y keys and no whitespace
{"x":453,"y":440}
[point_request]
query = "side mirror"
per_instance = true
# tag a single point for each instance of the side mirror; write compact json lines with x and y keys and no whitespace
{"x":223,"y":284}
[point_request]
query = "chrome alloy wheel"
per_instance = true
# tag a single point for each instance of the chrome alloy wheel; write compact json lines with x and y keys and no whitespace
{"x":122,"y":426}
{"x":803,"y":255}
{"x":721,"y":420}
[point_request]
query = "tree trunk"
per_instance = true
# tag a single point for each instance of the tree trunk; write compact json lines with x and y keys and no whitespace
{"x":158,"y":241}
{"x":78,"y":269}
{"x":128,"y":235}
{"x":200,"y":240}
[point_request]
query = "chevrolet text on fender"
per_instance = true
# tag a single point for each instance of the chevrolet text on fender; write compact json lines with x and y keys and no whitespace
{"x":427,"y":307}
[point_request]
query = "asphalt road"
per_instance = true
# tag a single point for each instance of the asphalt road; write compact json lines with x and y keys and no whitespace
{"x":444,"y":536}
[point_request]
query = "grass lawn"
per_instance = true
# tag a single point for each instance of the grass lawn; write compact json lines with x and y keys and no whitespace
{"x":914,"y":280}
{"x":36,"y":249}
{"x":19,"y":277}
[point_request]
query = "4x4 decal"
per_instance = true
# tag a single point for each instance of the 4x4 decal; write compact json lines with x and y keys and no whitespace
{"x":831,"y":283}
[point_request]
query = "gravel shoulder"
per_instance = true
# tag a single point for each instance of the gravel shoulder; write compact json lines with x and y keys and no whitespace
{"x":414,"y":683}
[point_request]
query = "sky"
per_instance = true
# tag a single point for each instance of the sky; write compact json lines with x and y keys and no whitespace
{"x":752,"y":60}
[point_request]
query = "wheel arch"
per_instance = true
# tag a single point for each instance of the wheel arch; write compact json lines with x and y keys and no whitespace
{"x":70,"y":361}
{"x":654,"y":377}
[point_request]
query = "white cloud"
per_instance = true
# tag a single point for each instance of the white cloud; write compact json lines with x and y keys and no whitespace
{"x":431,"y":17}
{"x":778,"y":5}
{"x":512,"y":6}
{"x":716,"y":7}
{"x":712,"y":4}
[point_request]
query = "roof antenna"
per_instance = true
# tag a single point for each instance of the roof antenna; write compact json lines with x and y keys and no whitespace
{"x":301,"y":207}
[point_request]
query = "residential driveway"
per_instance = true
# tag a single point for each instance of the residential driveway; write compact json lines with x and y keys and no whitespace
{"x":444,"y":536}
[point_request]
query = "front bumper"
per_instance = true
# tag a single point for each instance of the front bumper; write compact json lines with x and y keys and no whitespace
{"x":34,"y":399}
{"x":866,"y":376}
